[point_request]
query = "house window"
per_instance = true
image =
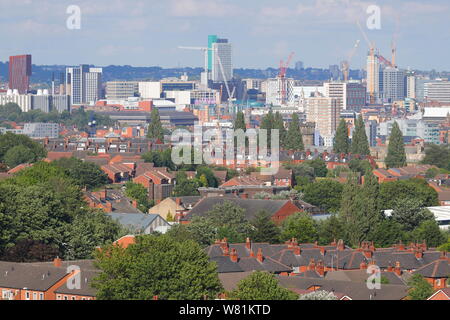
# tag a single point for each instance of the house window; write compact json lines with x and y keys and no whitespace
{"x":34,"y":295}
{"x":438,"y":282}
{"x":74,"y":298}
{"x":27,"y":295}
{"x":41,"y":296}
{"x":6,"y":294}
{"x":66,"y":298}
{"x":58,"y":297}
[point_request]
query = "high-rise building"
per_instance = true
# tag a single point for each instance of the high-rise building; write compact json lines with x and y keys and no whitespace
{"x":356,"y":96}
{"x":393,"y":85}
{"x":337,"y":90}
{"x":325,"y":112}
{"x":84,"y":84}
{"x":410,"y":85}
{"x":220,"y":59}
{"x":373,"y":77}
{"x":274,"y":91}
{"x":437,"y":91}
{"x":20,"y":73}
{"x":299,"y":65}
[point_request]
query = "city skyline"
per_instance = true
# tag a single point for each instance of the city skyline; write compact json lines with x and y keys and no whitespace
{"x":322,"y":33}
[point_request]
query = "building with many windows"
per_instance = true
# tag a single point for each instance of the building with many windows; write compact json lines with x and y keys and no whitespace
{"x":118,"y":90}
{"x":84,"y":84}
{"x":20,"y":73}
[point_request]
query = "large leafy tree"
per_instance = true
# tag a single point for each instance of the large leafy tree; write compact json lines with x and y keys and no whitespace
{"x":396,"y":156}
{"x":360,"y":143}
{"x":420,"y":288}
{"x":278,"y":124}
{"x":438,"y":156}
{"x":86,"y":174}
{"x":139,"y":193}
{"x":300,"y":226}
{"x":414,"y":189}
{"x":156,"y":266}
{"x":429,"y":231}
{"x":325,"y":194}
{"x":294,"y":138}
{"x":223,"y":220}
{"x":320,"y":167}
{"x":155,"y":129}
{"x":267,"y":123}
{"x":16,"y":148}
{"x":342,"y":141}
{"x":185,"y":186}
{"x":410,"y":213}
{"x":330,"y":230}
{"x":265,"y":229}
{"x":261,"y":286}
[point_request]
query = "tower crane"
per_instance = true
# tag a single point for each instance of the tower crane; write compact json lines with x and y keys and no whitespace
{"x":282,"y":77}
{"x":345,"y":66}
{"x":206,"y":51}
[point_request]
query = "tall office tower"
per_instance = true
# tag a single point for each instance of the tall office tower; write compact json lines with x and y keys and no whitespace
{"x":20,"y":73}
{"x":438,"y":91}
{"x":393,"y":85}
{"x":325,"y":112}
{"x":274,"y":91}
{"x":335,"y":72}
{"x":410,"y":90}
{"x":84,"y":84}
{"x":299,"y":65}
{"x":221,"y":60}
{"x":337,"y":90}
{"x":373,"y":78}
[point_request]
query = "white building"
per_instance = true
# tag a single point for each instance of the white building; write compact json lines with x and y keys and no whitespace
{"x":437,"y":91}
{"x":222,"y":65}
{"x":121,"y":89}
{"x":373,"y":76}
{"x":22,"y":100}
{"x":325,"y":113}
{"x":393,"y":84}
{"x":274,"y":91}
{"x":84,"y":84}
{"x":41,"y":130}
{"x":337,"y":90}
{"x":150,"y":89}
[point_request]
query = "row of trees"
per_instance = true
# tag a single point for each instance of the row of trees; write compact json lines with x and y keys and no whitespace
{"x":79,"y":118}
{"x":396,"y":156}
{"x":290,"y":139}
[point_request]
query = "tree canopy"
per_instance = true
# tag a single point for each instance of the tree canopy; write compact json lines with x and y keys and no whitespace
{"x":156,"y":266}
{"x":396,"y":156}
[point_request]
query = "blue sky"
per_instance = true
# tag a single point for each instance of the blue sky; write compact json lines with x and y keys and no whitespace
{"x":148,"y":32}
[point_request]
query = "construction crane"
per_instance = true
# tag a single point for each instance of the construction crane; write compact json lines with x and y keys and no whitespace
{"x":206,"y":51}
{"x":282,"y":77}
{"x":372,"y":71}
{"x":345,"y":65}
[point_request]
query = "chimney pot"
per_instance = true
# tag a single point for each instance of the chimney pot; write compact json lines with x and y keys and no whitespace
{"x":260,"y":256}
{"x":248,"y":244}
{"x":234,"y":255}
{"x":57,"y":262}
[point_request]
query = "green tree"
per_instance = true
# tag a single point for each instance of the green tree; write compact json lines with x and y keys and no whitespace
{"x":326,"y":194}
{"x":239,"y":122}
{"x":261,"y":286}
{"x":86,"y":174}
{"x":429,"y":231}
{"x":184,"y":186}
{"x":330,"y":230}
{"x":320,"y":167}
{"x":414,"y":189}
{"x":420,"y":288}
{"x":24,"y":148}
{"x":139,"y":193}
{"x":387,"y":233}
{"x":342,"y":141}
{"x":208,"y":175}
{"x":437,"y":155}
{"x":18,"y":155}
{"x":360,"y":143}
{"x":294,"y":138}
{"x":265,"y":229}
{"x":223,"y":220}
{"x":155,"y":130}
{"x":179,"y":271}
{"x":300,"y":226}
{"x":410,"y":213}
{"x":278,"y":124}
{"x":267,"y":123}
{"x":396,"y":156}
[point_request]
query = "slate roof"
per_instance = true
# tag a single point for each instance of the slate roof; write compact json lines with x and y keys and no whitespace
{"x":250,"y":206}
{"x":30,"y":276}
{"x":437,"y":269}
{"x":85,"y":288}
{"x":354,"y":290}
{"x":135,"y":221}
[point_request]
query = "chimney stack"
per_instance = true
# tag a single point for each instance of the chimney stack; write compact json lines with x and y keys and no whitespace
{"x":178,"y":201}
{"x":312,"y":265}
{"x":340,"y":245}
{"x":135,"y":204}
{"x":57,"y":262}
{"x":398,"y":269}
{"x":260,"y":256}
{"x":418,"y":253}
{"x":322,"y":250}
{"x":363,"y":265}
{"x":234,"y":255}
{"x":248,"y":244}
{"x":320,"y":269}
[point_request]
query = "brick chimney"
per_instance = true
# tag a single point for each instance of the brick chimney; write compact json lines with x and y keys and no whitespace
{"x":178,"y":201}
{"x":443,"y":256}
{"x":398,"y":269}
{"x":248,"y":244}
{"x":135,"y":204}
{"x":363,"y":265}
{"x":334,"y":243}
{"x":297,"y":250}
{"x":368,"y":253}
{"x":320,"y":269}
{"x":312,"y":265}
{"x":103,"y":195}
{"x":108,"y":207}
{"x":401,"y":246}
{"x":390,"y":269}
{"x":341,"y":245}
{"x":57,"y":262}
{"x":234,"y":255}
{"x":418,"y":253}
{"x":322,"y":251}
{"x":424,"y":245}
{"x":260,"y":256}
